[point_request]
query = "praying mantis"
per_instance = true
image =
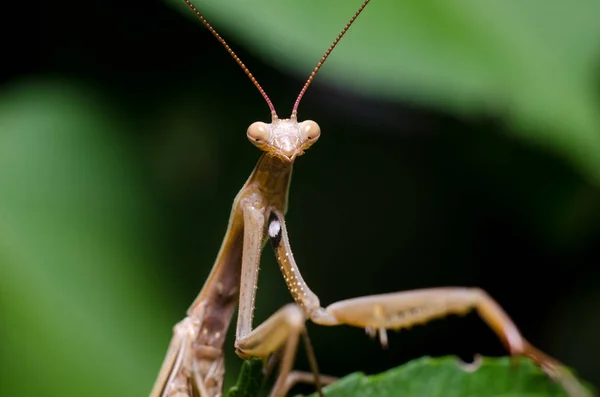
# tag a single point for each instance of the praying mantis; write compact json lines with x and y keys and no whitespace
{"x":194,"y":363}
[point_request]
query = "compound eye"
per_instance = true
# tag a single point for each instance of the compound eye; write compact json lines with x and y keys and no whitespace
{"x":310,"y":130}
{"x":258,"y":132}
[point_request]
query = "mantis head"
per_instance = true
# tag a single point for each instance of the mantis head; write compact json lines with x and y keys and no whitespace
{"x":285,"y":139}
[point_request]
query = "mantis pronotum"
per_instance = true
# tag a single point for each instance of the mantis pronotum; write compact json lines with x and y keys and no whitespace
{"x":194,"y":363}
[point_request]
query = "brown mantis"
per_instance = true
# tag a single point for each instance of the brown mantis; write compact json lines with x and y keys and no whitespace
{"x":194,"y":363}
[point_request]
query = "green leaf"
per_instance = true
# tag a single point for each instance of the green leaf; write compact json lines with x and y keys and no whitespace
{"x":250,"y":380}
{"x":429,"y":377}
{"x":446,"y":377}
{"x":533,"y":62}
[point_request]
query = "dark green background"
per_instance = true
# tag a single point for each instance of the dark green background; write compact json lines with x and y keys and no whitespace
{"x":460,"y":146}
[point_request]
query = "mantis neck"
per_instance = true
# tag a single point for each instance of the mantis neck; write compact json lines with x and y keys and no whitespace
{"x":271,"y":181}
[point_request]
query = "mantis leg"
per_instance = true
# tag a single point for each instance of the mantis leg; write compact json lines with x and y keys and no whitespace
{"x":306,"y":377}
{"x":296,"y":376}
{"x":281,"y":331}
{"x":378,"y":313}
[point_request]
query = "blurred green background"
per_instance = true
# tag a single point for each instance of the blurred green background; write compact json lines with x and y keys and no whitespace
{"x":460,"y":146}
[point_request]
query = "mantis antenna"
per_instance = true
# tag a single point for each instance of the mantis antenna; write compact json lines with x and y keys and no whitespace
{"x":253,"y":79}
{"x":322,"y":61}
{"x":235,"y":57}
